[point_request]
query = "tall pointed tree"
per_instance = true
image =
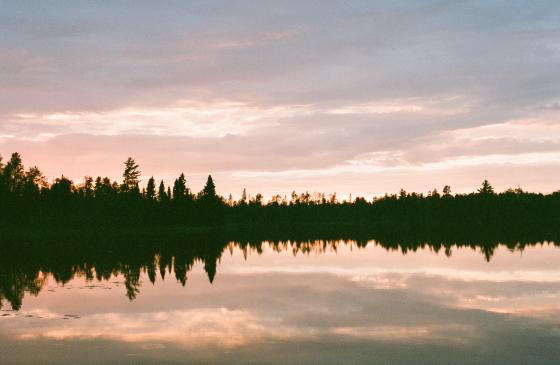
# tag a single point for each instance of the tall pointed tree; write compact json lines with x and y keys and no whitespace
{"x":180,"y":188}
{"x":151,"y":189}
{"x":162,"y":195}
{"x":14,"y":174}
{"x":131,"y":175}
{"x":486,"y":188}
{"x":209,"y":190}
{"x":243,"y":200}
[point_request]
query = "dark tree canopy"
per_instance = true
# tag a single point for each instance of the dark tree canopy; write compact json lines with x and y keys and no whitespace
{"x":27,"y":200}
{"x":62,"y":187}
{"x":88,"y":187}
{"x":34,"y":181}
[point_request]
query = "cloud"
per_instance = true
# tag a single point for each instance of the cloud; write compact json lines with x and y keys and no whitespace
{"x":442,"y":315}
{"x":555,"y":105}
{"x":307,"y":87}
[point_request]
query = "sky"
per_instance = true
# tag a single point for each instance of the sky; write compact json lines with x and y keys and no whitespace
{"x":356,"y":97}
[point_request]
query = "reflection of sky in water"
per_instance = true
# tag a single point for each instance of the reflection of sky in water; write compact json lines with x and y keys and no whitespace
{"x":349,"y":306}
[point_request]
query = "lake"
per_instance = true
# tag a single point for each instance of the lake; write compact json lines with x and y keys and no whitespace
{"x":316,"y":302}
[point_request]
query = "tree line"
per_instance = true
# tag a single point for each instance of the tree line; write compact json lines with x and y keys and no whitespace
{"x":27,"y":198}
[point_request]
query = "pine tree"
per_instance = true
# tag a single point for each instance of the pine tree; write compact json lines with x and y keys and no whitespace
{"x":486,"y":188}
{"x":180,"y":188}
{"x":162,"y":195}
{"x":151,"y":189}
{"x":131,"y":175}
{"x":209,"y":189}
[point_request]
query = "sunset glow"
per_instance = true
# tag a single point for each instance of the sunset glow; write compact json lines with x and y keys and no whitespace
{"x":358,"y":98}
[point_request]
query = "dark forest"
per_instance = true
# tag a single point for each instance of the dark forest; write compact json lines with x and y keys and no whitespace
{"x":28,"y":201}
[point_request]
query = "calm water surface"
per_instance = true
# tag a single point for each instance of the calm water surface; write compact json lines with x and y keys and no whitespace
{"x":333,"y":304}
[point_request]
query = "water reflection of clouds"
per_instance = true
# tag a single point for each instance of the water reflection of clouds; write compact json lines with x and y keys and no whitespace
{"x":202,"y":327}
{"x":295,"y":306}
{"x":247,"y":311}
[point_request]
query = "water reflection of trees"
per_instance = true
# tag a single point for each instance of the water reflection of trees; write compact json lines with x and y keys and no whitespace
{"x":25,"y":266}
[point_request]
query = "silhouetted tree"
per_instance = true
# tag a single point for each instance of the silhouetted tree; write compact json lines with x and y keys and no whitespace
{"x":360,"y":201}
{"x":209,"y":190}
{"x":243,"y":200}
{"x":180,"y":190}
{"x":104,"y":188}
{"x":34,"y":182}
{"x":89,"y":192}
{"x":151,"y":189}
{"x":486,"y":188}
{"x":14,"y":174}
{"x":258,"y":199}
{"x":131,"y":175}
{"x":62,"y":188}
{"x":162,"y":195}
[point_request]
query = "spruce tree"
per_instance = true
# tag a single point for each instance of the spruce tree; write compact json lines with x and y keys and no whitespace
{"x":162,"y":195}
{"x":180,"y":188}
{"x":209,"y":189}
{"x":151,"y":189}
{"x":131,"y":175}
{"x":486,"y":188}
